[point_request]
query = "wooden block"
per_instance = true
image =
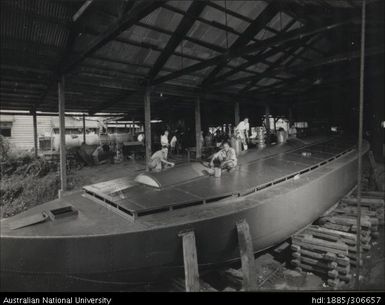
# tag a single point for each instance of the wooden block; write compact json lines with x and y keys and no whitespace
{"x":345,"y":277}
{"x":373,"y":194}
{"x":334,"y":283}
{"x":343,"y":270}
{"x":190,"y":261}
{"x":295,"y":247}
{"x":368,"y":202}
{"x":348,"y":220}
{"x":313,"y":247}
{"x":247,"y":256}
{"x":307,"y":267}
{"x":205,"y":287}
{"x":319,"y":242}
{"x":333,"y":232}
{"x":317,"y":263}
{"x":338,"y":227}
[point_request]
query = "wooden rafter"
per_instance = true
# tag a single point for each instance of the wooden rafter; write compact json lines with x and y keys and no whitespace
{"x":254,"y":47}
{"x":177,"y":37}
{"x":254,"y":27}
{"x":300,"y":67}
{"x":139,"y":11}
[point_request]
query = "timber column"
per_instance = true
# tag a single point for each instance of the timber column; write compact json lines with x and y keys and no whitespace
{"x":63,"y":169}
{"x":35,"y":144}
{"x":198,"y":128}
{"x":147,"y":124}
{"x":84,"y":128}
{"x":236,"y":114}
{"x":267,"y":116}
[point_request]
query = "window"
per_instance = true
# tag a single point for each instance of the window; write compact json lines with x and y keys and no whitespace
{"x":5,"y":129}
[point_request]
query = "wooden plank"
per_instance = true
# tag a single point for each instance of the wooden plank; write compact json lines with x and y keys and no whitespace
{"x":190,"y":261}
{"x":247,"y":256}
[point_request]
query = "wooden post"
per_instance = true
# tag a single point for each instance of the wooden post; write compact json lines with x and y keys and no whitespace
{"x":35,"y":139}
{"x":190,"y":259}
{"x":290,"y":115}
{"x":198,"y":128}
{"x":267,"y":115}
{"x":247,"y":256}
{"x":84,"y":128}
{"x":360,"y":132}
{"x":236,"y":114}
{"x":63,"y":170}
{"x":147,"y":125}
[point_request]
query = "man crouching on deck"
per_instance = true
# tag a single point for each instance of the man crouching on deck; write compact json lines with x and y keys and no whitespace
{"x":159,"y":160}
{"x":226,"y":158}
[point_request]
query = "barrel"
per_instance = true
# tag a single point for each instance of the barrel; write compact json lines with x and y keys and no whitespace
{"x":236,"y":144}
{"x":281,"y":136}
{"x":217,"y":172}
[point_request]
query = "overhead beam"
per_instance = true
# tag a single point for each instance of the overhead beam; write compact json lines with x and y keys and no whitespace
{"x":253,"y":29}
{"x":177,"y":37}
{"x":273,"y":66}
{"x":274,"y":41}
{"x":259,"y":57}
{"x":82,"y":10}
{"x":139,"y":11}
{"x":292,"y":69}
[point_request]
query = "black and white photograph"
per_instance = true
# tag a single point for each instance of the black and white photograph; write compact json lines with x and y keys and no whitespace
{"x":224,"y":148}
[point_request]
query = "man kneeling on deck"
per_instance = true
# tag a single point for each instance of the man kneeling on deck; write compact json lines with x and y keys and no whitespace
{"x":226,"y":158}
{"x":159,"y":160}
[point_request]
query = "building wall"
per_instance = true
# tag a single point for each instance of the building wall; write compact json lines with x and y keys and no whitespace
{"x":22,"y":130}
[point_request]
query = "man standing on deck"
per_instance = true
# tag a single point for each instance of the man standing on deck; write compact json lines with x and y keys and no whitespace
{"x":164,"y":139}
{"x":159,"y":160}
{"x":242,"y":131}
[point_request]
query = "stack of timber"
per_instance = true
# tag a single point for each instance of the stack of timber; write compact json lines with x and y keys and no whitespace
{"x":320,"y":250}
{"x":330,"y":246}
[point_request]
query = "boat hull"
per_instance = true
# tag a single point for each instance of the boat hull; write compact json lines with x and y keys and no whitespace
{"x":111,"y":262}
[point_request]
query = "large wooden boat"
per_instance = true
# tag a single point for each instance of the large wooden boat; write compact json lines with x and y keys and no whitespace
{"x":122,"y":231}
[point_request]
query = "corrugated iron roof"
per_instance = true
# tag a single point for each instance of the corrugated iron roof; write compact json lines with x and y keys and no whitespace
{"x":35,"y":36}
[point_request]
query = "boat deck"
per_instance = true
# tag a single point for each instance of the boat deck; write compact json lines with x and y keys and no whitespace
{"x":137,"y":199}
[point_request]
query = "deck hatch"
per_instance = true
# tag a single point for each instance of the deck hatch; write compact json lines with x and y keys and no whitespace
{"x":62,"y":212}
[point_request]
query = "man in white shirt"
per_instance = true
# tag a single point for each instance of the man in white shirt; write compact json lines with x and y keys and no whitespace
{"x":242,"y":132}
{"x":164,"y":139}
{"x":159,"y":160}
